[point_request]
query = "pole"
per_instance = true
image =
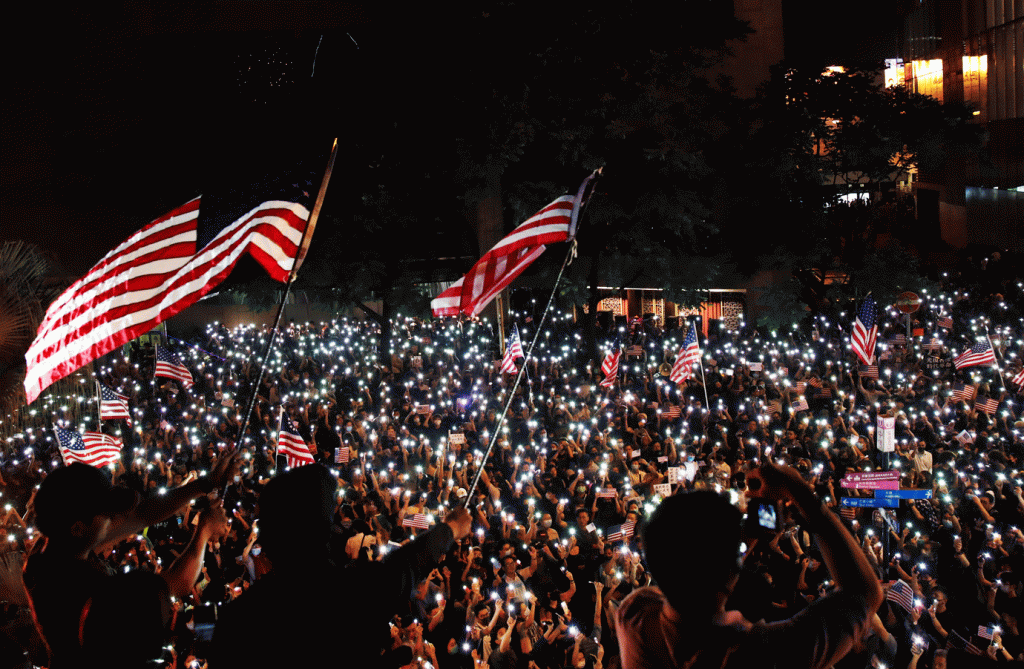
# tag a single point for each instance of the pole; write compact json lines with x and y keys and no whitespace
{"x":569,"y":255}
{"x":999,"y":364}
{"x":303,"y":247}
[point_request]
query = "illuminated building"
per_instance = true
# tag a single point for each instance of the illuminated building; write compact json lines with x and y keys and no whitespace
{"x":972,"y":52}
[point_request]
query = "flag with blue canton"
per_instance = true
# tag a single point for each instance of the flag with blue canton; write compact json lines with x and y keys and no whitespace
{"x":865,"y":331}
{"x":979,"y":355}
{"x":113,"y":405}
{"x":168,"y":366}
{"x":96,"y":449}
{"x":901,"y":593}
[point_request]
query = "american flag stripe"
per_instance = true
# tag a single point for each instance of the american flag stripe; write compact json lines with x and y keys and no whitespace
{"x":689,"y":355}
{"x":962,"y":392}
{"x":1019,"y":378}
{"x":989,"y":405}
{"x":509,"y":257}
{"x":113,"y":405}
{"x":865,"y":332}
{"x":986,"y":632}
{"x":945,"y":322}
{"x":672,"y":412}
{"x":620,"y":532}
{"x":513,"y":351}
{"x":152,"y":276}
{"x":869,"y":371}
{"x":342,"y":455}
{"x":92,"y":448}
{"x":416,"y":520}
{"x":981,"y":354}
{"x":610,"y":368}
{"x":901,"y":593}
{"x":291,"y":445}
{"x":169,"y":366}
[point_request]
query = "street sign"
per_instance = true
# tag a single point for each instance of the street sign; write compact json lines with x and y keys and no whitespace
{"x":908,"y":302}
{"x":872,"y":484}
{"x":904,"y":494}
{"x":887,"y":480}
{"x":870,"y":502}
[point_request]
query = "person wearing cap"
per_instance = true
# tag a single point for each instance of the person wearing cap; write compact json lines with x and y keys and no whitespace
{"x":683,"y":621}
{"x":75,"y":604}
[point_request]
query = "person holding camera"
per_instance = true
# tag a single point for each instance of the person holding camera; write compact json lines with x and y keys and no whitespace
{"x":683,"y":621}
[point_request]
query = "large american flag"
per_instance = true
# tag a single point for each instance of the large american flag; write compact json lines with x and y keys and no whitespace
{"x":610,"y":367}
{"x":689,"y":355}
{"x":1019,"y":378}
{"x":865,"y":331}
{"x":92,"y":448}
{"x":513,"y":351}
{"x":113,"y":405}
{"x":497,"y":268}
{"x":291,"y":445}
{"x":168,"y":366}
{"x":979,"y":355}
{"x":164,"y":268}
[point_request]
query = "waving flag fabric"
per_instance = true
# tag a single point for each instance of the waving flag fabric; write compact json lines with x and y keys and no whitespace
{"x":113,"y":405}
{"x":689,"y":355}
{"x":1019,"y":378}
{"x":502,"y":264}
{"x":610,"y":367}
{"x":865,"y":331}
{"x":901,"y":593}
{"x":513,"y":351}
{"x":291,"y":445}
{"x":979,"y":355}
{"x":168,"y":366}
{"x":92,"y":448}
{"x":167,"y":266}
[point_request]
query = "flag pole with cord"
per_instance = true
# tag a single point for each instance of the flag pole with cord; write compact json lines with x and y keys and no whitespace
{"x":569,"y":255}
{"x":300,"y":256}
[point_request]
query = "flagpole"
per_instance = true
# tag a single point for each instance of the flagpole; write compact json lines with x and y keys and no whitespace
{"x":99,"y":406}
{"x":703,"y":379}
{"x":569,"y":255}
{"x":300,"y":256}
{"x":999,"y":365}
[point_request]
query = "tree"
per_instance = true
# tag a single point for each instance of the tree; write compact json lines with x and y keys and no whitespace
{"x":812,"y":136}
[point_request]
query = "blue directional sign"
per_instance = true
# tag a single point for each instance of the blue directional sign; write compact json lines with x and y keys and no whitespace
{"x":870,"y":502}
{"x":904,"y":494}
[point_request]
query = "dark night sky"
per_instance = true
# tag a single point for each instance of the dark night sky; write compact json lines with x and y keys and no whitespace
{"x":110,"y":112}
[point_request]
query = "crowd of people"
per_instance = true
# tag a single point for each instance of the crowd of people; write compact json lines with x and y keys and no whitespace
{"x":553,"y":542}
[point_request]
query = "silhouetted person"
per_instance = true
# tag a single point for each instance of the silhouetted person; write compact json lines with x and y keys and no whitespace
{"x":86,"y":616}
{"x":306,"y":611}
{"x":692,"y":544}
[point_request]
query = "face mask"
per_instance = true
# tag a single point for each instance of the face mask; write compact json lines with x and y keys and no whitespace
{"x":348,"y":428}
{"x":256,"y":550}
{"x":546,"y":523}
